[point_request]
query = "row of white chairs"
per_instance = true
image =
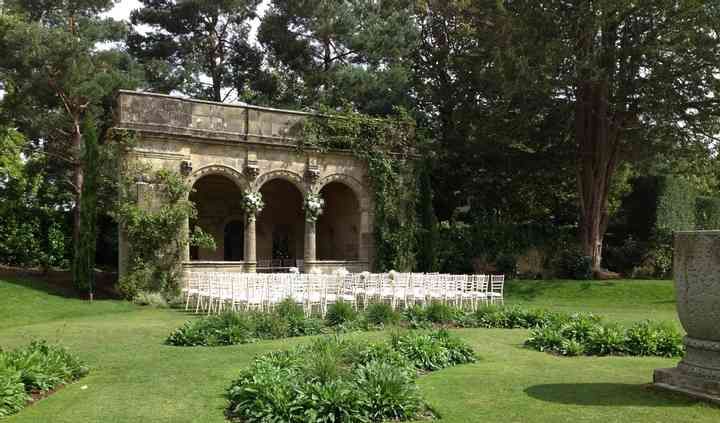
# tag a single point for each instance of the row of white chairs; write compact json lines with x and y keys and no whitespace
{"x":213,"y":292}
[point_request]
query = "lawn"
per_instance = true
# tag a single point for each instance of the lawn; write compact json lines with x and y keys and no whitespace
{"x":136,"y":378}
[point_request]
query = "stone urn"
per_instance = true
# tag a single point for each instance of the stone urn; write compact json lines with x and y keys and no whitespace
{"x":696,"y":268}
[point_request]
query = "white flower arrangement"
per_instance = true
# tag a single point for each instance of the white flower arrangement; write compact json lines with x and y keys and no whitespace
{"x":313,"y":206}
{"x":294,"y":270}
{"x":392,"y":274}
{"x":253,"y":203}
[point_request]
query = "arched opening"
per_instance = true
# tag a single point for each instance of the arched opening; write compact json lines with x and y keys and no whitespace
{"x":338,"y":227}
{"x":280,"y":225}
{"x":234,"y":240}
{"x":219,"y":204}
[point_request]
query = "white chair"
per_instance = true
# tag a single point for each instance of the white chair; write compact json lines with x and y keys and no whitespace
{"x":373,"y":285}
{"x":336,"y":290}
{"x":417,"y":289}
{"x":255,"y":291}
{"x":497,"y":287}
{"x":191,"y":287}
{"x":435,"y":288}
{"x":315,"y":294}
{"x":203,"y":295}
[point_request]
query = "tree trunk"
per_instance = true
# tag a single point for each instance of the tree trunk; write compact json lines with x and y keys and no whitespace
{"x":78,"y":179}
{"x":597,"y":136}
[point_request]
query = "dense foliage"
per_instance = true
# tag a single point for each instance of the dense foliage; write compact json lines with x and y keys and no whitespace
{"x":533,"y":116}
{"x":37,"y":369}
{"x":84,"y":256}
{"x":151,"y":206}
{"x":388,"y":148}
{"x":229,"y":328}
{"x":556,"y":332}
{"x":334,"y":379}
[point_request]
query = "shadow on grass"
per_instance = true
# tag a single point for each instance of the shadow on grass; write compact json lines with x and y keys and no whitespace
{"x":59,"y":284}
{"x":606,"y":394}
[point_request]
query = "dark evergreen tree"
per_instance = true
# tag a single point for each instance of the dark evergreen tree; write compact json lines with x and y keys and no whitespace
{"x":84,"y":257}
{"x":199,"y":47}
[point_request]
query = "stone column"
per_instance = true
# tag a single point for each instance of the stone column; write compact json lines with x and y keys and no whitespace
{"x":250,"y":243}
{"x":309,"y":255}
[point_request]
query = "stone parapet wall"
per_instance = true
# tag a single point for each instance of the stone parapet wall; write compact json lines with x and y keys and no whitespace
{"x":170,"y":115}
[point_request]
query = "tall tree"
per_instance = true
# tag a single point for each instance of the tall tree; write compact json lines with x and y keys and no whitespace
{"x":507,"y":157}
{"x":642,"y":78}
{"x":84,"y":254}
{"x":54,"y":72}
{"x":333,"y":52}
{"x":199,"y":47}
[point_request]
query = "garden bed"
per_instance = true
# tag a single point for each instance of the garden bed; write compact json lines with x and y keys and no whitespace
{"x":333,"y":379}
{"x":33,"y":372}
{"x":560,"y":333}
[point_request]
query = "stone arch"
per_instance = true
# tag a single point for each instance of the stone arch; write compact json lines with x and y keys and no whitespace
{"x":287,"y":175}
{"x":352,"y":183}
{"x":217,"y":169}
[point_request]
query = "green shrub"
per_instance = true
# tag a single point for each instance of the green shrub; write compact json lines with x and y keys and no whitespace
{"x":334,"y":380}
{"x":651,"y":338}
{"x":416,"y":317}
{"x":290,"y":310}
{"x":432,"y":351}
{"x":38,"y":367}
{"x":12,"y":390}
{"x":389,"y":391}
{"x":587,"y":334}
{"x":152,"y":299}
{"x":707,"y":213}
{"x":506,"y":264}
{"x":336,"y":400}
{"x":572,"y":347}
{"x":381,"y":314}
{"x":545,"y":338}
{"x":230,"y":327}
{"x":43,"y":366}
{"x":573,"y":264}
{"x":579,"y":327}
{"x":441,"y":313}
{"x":340,"y":313}
{"x":606,"y":339}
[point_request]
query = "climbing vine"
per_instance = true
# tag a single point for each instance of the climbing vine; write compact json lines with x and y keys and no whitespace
{"x":388,"y":147}
{"x":152,"y":206}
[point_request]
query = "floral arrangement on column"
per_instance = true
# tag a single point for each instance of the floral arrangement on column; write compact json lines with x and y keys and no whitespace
{"x":313,"y":206}
{"x":252,"y":203}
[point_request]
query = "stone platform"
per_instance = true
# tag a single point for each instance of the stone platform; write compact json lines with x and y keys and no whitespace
{"x":676,"y":380}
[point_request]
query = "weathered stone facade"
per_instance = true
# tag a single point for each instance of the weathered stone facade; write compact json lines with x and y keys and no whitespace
{"x":225,"y":150}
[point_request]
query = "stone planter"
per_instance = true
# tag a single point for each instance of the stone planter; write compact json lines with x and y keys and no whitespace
{"x":696,"y":269}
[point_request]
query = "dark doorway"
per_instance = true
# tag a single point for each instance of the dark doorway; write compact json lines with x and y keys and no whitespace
{"x":234,"y":241}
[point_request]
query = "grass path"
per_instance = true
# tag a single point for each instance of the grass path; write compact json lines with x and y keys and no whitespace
{"x":135,"y":378}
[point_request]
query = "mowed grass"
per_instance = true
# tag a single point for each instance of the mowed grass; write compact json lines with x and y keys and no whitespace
{"x":135,"y":378}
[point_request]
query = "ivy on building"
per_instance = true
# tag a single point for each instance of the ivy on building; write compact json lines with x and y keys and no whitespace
{"x":151,"y":205}
{"x":388,"y":147}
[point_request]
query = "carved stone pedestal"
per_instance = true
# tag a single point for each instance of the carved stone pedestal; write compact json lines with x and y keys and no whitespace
{"x":697,"y":288}
{"x":697,"y":375}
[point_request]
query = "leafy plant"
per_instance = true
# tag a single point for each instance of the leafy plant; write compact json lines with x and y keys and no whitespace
{"x":332,"y":379}
{"x":339,"y":313}
{"x":432,"y":351}
{"x":38,"y":367}
{"x":389,"y":390}
{"x":12,"y":390}
{"x":381,"y":314}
